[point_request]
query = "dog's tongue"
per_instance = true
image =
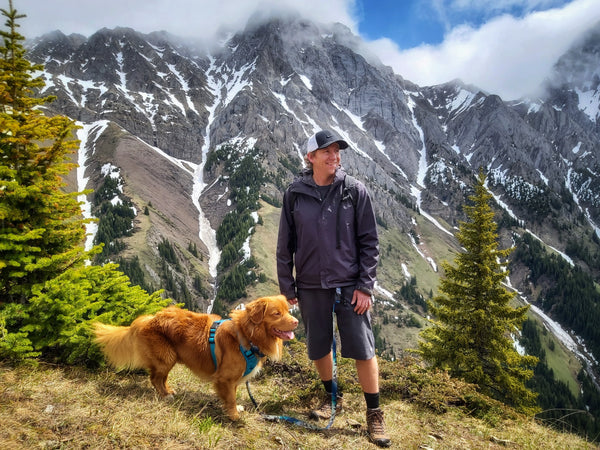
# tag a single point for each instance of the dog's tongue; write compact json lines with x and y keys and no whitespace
{"x":285,"y":335}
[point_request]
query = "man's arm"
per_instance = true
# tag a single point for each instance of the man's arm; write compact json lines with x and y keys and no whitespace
{"x":285,"y":251}
{"x":367,"y":242}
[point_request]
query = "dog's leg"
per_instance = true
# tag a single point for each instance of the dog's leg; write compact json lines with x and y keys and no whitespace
{"x":158,"y":377}
{"x":159,"y":371}
{"x":226,"y":391}
{"x":159,"y":358}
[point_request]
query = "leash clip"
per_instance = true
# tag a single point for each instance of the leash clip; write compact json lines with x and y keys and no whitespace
{"x":338,"y":295}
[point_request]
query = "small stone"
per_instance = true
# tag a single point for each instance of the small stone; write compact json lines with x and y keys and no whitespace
{"x":353,"y":423}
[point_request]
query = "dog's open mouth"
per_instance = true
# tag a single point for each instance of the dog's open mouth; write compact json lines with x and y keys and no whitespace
{"x":285,"y":335}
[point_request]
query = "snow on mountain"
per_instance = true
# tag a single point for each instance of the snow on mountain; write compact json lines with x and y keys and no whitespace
{"x":274,"y":84}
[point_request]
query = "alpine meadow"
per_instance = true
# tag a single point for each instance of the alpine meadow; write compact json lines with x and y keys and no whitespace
{"x":139,"y":171}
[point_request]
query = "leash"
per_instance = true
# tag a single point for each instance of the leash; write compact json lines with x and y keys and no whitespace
{"x":334,"y":389}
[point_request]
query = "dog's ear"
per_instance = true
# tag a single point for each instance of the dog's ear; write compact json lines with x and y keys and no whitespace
{"x":257,"y":311}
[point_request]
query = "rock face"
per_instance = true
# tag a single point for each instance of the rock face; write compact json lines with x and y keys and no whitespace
{"x":275,"y":83}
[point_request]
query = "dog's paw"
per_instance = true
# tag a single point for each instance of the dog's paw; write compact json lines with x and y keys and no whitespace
{"x":169,"y":397}
{"x":234,"y":416}
{"x":234,"y":413}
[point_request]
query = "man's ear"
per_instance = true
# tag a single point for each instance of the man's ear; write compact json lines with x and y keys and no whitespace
{"x":310,"y":156}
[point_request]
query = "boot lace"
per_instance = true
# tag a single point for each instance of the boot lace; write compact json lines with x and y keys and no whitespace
{"x":376,"y":422}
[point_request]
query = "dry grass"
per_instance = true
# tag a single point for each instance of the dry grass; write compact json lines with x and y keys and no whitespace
{"x":71,"y":407}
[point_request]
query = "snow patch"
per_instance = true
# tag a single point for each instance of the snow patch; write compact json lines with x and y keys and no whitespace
{"x":88,"y":134}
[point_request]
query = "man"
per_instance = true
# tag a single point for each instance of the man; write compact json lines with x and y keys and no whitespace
{"x":327,"y":232}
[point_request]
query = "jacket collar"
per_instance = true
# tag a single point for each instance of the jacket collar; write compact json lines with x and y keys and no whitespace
{"x":307,"y":179}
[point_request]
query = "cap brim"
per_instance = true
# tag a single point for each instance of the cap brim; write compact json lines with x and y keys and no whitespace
{"x":343,"y":144}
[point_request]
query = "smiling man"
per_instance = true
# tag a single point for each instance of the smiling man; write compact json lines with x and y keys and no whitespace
{"x":327,"y":232}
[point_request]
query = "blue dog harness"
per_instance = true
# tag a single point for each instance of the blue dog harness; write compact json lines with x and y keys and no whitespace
{"x":252,"y":356}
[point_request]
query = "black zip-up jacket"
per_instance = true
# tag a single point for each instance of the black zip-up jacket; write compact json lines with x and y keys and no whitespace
{"x":310,"y":232}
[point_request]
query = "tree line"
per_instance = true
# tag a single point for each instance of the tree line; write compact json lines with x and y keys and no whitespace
{"x":246,"y":177}
{"x":566,"y":292}
{"x":559,"y":407}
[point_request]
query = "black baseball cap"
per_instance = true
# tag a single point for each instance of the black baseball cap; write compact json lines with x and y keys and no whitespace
{"x":322,"y":139}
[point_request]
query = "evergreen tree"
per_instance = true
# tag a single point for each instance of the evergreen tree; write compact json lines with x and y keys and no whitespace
{"x":40,"y":232}
{"x":48,"y":297}
{"x":61,"y":315}
{"x":471,"y":335}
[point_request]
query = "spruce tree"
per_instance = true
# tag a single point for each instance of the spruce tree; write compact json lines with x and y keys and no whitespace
{"x":41,"y":231}
{"x":472,"y":333}
{"x":48,"y":297}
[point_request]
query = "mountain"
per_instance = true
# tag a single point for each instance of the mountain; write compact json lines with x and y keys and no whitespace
{"x":168,"y":128}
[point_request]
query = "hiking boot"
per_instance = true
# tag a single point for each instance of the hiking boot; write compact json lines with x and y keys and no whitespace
{"x":376,"y":428}
{"x":323,"y":412}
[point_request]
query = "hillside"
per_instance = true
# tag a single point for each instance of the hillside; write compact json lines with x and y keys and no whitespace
{"x":188,"y":152}
{"x":156,"y":110}
{"x":70,"y":407}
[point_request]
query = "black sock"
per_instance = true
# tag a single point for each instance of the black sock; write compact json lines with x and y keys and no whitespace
{"x":372,"y":400}
{"x":328,"y":385}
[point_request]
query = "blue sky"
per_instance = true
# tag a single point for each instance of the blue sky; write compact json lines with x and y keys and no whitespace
{"x":505,"y":47}
{"x":411,"y":23}
{"x":408,"y":23}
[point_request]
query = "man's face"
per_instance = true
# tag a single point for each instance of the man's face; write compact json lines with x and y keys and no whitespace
{"x":326,"y":160}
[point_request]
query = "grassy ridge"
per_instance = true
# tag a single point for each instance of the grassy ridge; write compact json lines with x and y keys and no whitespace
{"x":70,"y":407}
{"x":264,"y":245}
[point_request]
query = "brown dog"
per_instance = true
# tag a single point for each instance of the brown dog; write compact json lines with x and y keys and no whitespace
{"x":174,"y":335}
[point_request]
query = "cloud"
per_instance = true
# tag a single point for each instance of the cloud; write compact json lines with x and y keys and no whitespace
{"x":185,"y":18}
{"x":507,"y":56}
{"x":495,"y":6}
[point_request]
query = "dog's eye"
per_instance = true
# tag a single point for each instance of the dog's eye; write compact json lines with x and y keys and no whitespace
{"x":276,"y":313}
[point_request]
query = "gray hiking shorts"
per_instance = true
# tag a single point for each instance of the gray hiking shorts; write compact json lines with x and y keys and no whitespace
{"x":356,"y":334}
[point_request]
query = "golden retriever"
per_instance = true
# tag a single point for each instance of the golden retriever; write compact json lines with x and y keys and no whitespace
{"x":174,"y":335}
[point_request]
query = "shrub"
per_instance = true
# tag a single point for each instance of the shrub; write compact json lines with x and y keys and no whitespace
{"x":58,"y":319}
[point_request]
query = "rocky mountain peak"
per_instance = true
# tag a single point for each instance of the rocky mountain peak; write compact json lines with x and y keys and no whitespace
{"x":580,"y":67}
{"x":277,"y":82}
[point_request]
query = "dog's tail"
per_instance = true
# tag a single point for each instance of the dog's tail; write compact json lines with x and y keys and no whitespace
{"x":120,"y":346}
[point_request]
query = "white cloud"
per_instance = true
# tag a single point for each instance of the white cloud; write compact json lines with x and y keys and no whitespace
{"x":186,"y":18}
{"x":507,"y":56}
{"x":495,"y":6}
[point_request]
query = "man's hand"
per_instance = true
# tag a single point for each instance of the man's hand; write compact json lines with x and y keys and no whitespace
{"x":361,"y":301}
{"x":293,"y":301}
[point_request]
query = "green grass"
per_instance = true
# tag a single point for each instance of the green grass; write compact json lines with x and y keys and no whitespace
{"x":563,"y":363}
{"x":49,"y":406}
{"x":264,"y":247}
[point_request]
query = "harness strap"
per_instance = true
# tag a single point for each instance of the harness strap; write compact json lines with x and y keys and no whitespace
{"x":251,"y":355}
{"x":348,"y":186}
{"x":211,"y":339}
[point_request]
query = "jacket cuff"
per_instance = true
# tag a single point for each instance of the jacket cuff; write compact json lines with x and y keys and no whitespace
{"x":365,"y":290}
{"x":290,"y":295}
